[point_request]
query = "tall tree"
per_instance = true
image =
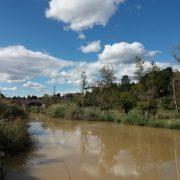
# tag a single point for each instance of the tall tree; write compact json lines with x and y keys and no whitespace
{"x":176,"y":55}
{"x":125,"y":79}
{"x":139,"y":73}
{"x":106,"y":86}
{"x":176,"y":52}
{"x":125,"y":84}
{"x":151,"y":80}
{"x":107,"y":76}
{"x":84,"y":86}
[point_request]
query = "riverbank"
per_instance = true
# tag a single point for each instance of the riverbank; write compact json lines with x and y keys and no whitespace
{"x":14,"y":135}
{"x":73,"y":112}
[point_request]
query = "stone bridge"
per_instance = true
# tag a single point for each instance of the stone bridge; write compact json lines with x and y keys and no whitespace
{"x":25,"y":103}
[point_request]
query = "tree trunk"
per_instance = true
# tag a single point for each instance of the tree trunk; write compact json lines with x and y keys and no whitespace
{"x":174,"y":94}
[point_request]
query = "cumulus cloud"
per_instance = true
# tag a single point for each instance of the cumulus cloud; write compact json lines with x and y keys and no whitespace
{"x":8,"y":88}
{"x":79,"y":15}
{"x":124,"y":52}
{"x":81,"y":36}
{"x":92,"y":47}
{"x":18,"y":64}
{"x":34,"y":85}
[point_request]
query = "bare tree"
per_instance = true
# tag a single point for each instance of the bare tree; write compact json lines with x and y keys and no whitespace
{"x":176,"y":54}
{"x":84,"y":86}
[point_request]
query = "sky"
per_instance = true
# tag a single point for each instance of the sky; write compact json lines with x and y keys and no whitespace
{"x":49,"y":42}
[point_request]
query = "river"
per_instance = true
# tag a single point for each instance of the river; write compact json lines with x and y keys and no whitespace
{"x":82,"y":150}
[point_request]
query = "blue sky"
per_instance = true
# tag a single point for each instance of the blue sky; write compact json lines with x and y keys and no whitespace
{"x":44,"y":30}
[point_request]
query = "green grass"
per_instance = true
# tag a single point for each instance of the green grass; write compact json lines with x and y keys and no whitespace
{"x":74,"y":112}
{"x":11,"y":112}
{"x":14,"y":137}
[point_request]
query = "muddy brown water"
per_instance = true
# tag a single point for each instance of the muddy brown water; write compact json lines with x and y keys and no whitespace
{"x":81,"y":150}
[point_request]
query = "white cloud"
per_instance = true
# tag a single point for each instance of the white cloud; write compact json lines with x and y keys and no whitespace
{"x":34,"y":85}
{"x":94,"y":46}
{"x":81,"y":36}
{"x":8,"y":88}
{"x":79,"y":15}
{"x":124,"y":52}
{"x":18,"y":64}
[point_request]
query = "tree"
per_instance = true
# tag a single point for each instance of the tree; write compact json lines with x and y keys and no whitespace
{"x":176,"y":52}
{"x":125,"y":79}
{"x":106,"y":96}
{"x":147,"y":87}
{"x":107,"y":76}
{"x":176,"y":55}
{"x":127,"y":101}
{"x":139,"y":73}
{"x":125,"y":84}
{"x":84,"y":86}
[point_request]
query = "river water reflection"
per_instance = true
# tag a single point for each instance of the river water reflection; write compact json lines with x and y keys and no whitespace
{"x":81,"y":150}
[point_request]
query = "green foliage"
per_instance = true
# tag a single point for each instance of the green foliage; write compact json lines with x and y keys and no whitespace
{"x":11,"y":112}
{"x":135,"y":119}
{"x":174,"y":124}
{"x":158,"y":123}
{"x":77,"y":114}
{"x":14,"y":137}
{"x":57,"y":111}
{"x":108,"y":117}
{"x":139,"y":73}
{"x":167,"y":103}
{"x":107,"y":76}
{"x":127,"y":101}
{"x":49,"y":100}
{"x":35,"y":109}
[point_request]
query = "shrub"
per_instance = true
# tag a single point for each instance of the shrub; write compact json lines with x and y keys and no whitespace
{"x":14,"y":112}
{"x":14,"y":137}
{"x":77,"y":114}
{"x":34,"y":109}
{"x":167,"y":103}
{"x":135,"y":119}
{"x":107,"y":117}
{"x":174,"y":125}
{"x":11,"y":112}
{"x":57,"y":111}
{"x":158,"y":123}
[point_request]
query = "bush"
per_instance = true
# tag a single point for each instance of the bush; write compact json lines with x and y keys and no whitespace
{"x":14,"y":112}
{"x":135,"y":119}
{"x":14,"y":137}
{"x":11,"y":112}
{"x":158,"y":123}
{"x":34,"y":109}
{"x":57,"y":111}
{"x":108,"y":117}
{"x":167,"y":103}
{"x":174,"y":125}
{"x":77,"y":114}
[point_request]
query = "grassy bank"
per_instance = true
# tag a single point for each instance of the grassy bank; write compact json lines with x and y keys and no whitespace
{"x":73,"y":112}
{"x":14,"y":136}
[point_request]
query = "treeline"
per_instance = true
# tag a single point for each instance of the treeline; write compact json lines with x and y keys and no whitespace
{"x":152,"y":89}
{"x":155,"y":88}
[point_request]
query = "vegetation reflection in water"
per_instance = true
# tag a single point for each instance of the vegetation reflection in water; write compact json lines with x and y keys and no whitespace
{"x":97,"y":150}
